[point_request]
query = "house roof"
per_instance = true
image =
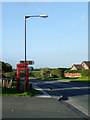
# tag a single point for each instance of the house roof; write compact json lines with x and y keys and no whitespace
{"x":87,"y":63}
{"x":78,"y":66}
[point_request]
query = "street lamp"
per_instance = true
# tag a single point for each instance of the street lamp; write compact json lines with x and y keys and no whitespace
{"x":26,"y":17}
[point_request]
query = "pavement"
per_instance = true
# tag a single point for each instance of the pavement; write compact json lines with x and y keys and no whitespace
{"x":79,"y":105}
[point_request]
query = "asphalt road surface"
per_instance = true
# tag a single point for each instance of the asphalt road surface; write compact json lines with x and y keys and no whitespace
{"x":33,"y":107}
{"x":76,"y":94}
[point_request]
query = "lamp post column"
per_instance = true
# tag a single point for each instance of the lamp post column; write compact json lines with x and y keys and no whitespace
{"x":25,"y":17}
{"x":25,"y":51}
{"x":25,"y":39}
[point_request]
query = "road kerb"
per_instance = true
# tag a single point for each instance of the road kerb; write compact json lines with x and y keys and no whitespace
{"x":45,"y":94}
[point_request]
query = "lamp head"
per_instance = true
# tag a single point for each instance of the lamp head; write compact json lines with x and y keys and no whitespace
{"x":44,"y":16}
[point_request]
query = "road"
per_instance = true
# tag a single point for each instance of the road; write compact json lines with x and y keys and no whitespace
{"x":76,"y":94}
{"x":35,"y":107}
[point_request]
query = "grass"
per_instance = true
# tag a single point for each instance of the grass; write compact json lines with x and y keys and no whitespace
{"x":14,"y":83}
{"x":81,"y":79}
{"x":13,"y":92}
{"x":74,"y":79}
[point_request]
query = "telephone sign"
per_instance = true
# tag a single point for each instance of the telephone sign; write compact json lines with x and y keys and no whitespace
{"x":28,"y":62}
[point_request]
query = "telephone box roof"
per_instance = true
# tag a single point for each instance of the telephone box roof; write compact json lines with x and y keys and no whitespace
{"x":22,"y":64}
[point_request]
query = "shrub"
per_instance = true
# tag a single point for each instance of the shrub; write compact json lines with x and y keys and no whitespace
{"x":85,"y":73}
{"x":59,"y":72}
{"x":45,"y":72}
{"x":35,"y":74}
{"x":72,"y":71}
{"x":10,"y":75}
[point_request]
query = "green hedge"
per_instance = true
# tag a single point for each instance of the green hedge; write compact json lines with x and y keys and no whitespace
{"x":85,"y":73}
{"x":35,"y":74}
{"x":72,"y":71}
{"x":10,"y":75}
{"x":59,"y":72}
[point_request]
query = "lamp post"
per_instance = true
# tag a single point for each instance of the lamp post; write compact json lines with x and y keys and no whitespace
{"x":26,"y":17}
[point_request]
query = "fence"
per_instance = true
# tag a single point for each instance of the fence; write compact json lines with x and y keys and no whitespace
{"x":6,"y":83}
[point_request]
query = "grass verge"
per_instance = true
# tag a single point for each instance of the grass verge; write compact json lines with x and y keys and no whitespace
{"x":73,"y":79}
{"x":13,"y":92}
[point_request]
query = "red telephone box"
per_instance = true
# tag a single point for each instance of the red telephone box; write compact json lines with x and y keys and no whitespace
{"x":22,"y":77}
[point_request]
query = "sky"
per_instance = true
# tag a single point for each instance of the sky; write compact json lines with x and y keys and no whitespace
{"x":60,"y":40}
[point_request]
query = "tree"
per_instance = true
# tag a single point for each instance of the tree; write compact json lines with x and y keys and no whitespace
{"x":45,"y":72}
{"x":6,"y":67}
{"x":59,"y":72}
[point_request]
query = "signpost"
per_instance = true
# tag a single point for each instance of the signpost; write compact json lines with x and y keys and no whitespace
{"x":28,"y":62}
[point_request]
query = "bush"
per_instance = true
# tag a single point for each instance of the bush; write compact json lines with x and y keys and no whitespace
{"x":55,"y":76}
{"x":6,"y":67}
{"x":72,"y":71}
{"x":45,"y":72}
{"x":59,"y":72}
{"x":10,"y":75}
{"x":85,"y":73}
{"x":35,"y":74}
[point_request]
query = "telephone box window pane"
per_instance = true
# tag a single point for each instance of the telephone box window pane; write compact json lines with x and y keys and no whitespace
{"x":22,"y":71}
{"x":22,"y":74}
{"x":22,"y":84}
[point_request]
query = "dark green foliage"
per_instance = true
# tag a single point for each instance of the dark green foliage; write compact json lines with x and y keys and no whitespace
{"x":7,"y":71}
{"x":45,"y":72}
{"x":72,"y":71}
{"x":13,"y":91}
{"x":48,"y":73}
{"x":85,"y":73}
{"x":59,"y":72}
{"x":38,"y":69}
{"x":6,"y":67}
{"x":35,"y":74}
{"x":11,"y":75}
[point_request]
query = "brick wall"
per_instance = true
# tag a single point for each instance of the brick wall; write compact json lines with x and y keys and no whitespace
{"x":72,"y":74}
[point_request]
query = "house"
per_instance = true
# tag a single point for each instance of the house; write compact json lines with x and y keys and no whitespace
{"x":86,"y":64}
{"x":77,"y":67}
{"x":83,"y":65}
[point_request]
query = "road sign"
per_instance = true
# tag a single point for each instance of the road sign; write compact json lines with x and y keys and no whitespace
{"x":28,"y":62}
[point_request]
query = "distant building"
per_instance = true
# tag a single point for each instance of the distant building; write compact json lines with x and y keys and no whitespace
{"x":83,"y":65}
{"x":77,"y":67}
{"x":86,"y":64}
